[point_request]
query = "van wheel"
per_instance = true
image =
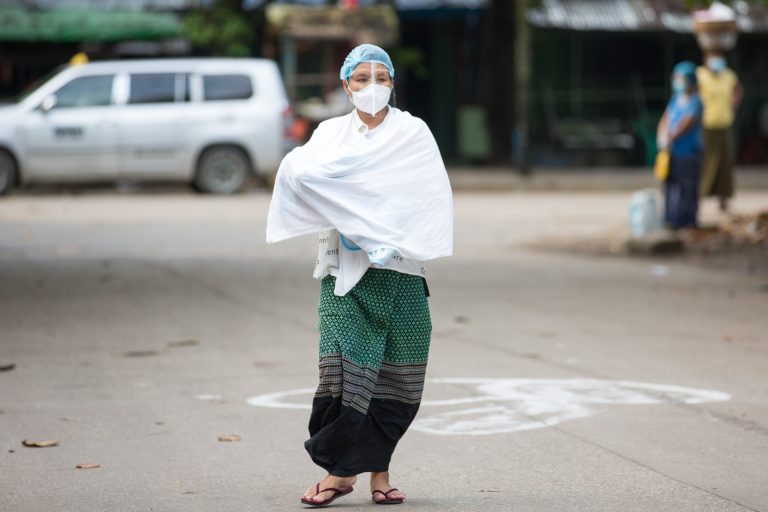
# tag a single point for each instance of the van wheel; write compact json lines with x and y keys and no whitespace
{"x":8,"y":172}
{"x":221,"y":170}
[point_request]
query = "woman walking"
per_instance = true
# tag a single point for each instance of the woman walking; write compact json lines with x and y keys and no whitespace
{"x":373,"y":185}
{"x":679,"y":131}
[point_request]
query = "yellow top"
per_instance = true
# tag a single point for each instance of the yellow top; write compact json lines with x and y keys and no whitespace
{"x":716,"y":92}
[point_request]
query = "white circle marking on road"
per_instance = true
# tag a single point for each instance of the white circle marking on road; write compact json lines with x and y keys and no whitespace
{"x":497,"y":405}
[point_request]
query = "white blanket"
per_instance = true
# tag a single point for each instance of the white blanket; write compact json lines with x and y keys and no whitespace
{"x":390,"y":195}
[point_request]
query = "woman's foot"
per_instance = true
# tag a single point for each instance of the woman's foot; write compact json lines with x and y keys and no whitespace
{"x":380,"y":482}
{"x":329,"y":482}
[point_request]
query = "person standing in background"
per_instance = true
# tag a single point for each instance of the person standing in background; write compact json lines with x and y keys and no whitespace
{"x":679,"y":131}
{"x":720,"y":94}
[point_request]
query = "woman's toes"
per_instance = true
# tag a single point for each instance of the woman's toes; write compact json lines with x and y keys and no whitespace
{"x":329,"y":481}
{"x":381,"y":496}
{"x":322,"y":496}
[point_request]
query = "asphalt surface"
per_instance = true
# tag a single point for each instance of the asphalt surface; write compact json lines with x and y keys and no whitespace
{"x":143,"y":327}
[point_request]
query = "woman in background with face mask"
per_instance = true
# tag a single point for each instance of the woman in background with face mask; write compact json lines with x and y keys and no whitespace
{"x":721,"y":94}
{"x":679,"y":132}
{"x":373,"y":185}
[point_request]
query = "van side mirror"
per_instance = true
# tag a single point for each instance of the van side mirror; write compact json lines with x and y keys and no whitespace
{"x":48,"y":103}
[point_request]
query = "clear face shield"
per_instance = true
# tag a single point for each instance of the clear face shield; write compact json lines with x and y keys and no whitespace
{"x":374,"y":97}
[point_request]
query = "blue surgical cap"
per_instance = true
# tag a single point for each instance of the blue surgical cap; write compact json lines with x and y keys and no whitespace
{"x":687,"y":69}
{"x":365,"y":53}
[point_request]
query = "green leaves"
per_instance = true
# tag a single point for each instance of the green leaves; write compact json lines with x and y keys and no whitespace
{"x":222,"y":30}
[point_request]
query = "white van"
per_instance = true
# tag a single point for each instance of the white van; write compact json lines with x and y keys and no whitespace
{"x":210,"y":122}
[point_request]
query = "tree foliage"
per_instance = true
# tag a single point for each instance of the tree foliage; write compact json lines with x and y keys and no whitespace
{"x":223,"y":29}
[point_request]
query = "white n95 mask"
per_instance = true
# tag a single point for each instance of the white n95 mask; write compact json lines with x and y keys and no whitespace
{"x":371,"y":98}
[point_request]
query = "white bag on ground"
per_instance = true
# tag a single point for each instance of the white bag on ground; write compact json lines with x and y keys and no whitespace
{"x":645,"y":212}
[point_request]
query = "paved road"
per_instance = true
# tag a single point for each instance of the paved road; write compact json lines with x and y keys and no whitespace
{"x":142,"y":325}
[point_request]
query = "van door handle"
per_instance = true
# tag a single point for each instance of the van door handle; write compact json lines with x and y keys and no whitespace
{"x":68,"y":132}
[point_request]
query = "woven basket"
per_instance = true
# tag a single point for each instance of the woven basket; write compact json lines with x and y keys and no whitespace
{"x":716,"y":35}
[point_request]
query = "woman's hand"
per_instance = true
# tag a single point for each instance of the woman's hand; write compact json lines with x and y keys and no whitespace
{"x":662,"y":133}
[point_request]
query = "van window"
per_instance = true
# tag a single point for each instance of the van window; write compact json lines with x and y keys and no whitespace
{"x":86,"y":91}
{"x":152,"y":88}
{"x":227,"y":87}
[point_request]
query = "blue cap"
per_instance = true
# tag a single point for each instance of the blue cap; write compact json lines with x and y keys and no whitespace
{"x":687,"y":69}
{"x":365,"y":53}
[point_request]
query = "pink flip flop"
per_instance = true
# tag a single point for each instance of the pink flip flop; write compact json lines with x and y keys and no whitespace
{"x":387,"y":500}
{"x":337,"y":493}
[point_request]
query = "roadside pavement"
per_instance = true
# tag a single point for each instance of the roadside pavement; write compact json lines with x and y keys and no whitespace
{"x":498,"y":179}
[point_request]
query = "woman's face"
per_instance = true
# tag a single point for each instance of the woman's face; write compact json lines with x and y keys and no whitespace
{"x":681,"y":84}
{"x":362,"y":76}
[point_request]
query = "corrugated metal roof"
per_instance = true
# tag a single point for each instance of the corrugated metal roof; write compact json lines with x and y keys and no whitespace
{"x":608,"y":15}
{"x":634,"y":15}
{"x":605,"y":15}
{"x":676,"y":21}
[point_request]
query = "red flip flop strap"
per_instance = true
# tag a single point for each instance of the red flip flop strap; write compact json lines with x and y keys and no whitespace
{"x":330,"y":489}
{"x":385,"y":494}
